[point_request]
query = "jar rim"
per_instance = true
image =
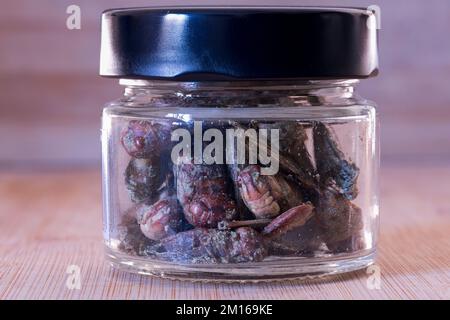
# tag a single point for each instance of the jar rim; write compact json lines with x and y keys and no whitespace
{"x":254,"y":84}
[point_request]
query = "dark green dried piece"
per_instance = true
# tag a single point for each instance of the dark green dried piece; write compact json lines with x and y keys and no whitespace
{"x":331,"y":164}
{"x":211,"y":246}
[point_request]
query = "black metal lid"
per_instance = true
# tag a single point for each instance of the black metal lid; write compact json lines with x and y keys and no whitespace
{"x":198,"y":44}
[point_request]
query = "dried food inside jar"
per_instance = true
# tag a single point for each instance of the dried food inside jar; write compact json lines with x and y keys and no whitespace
{"x":143,"y":178}
{"x":332,"y":166}
{"x":131,"y":239}
{"x":267,"y":196}
{"x":160,"y":217}
{"x":204,"y":193}
{"x":198,"y":219}
{"x":146,"y":139}
{"x":294,"y":153}
{"x":202,"y":245}
{"x":339,"y":219}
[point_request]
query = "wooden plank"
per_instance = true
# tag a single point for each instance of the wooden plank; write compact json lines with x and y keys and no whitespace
{"x":52,"y":220}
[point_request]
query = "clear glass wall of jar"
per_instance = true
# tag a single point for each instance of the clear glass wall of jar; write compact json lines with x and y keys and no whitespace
{"x":241,"y":180}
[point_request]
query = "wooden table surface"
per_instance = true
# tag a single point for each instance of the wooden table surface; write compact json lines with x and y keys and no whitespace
{"x":50,"y":221}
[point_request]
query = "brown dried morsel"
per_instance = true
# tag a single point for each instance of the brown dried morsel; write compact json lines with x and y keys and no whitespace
{"x":204,"y":194}
{"x":290,"y":167}
{"x":266,"y":196}
{"x":255,"y":224}
{"x":131,"y":238}
{"x":291,"y":219}
{"x":338,"y":217}
{"x":208,"y":209}
{"x":243,"y":212}
{"x":331,"y":164}
{"x":211,"y":246}
{"x":234,"y":169}
{"x":249,"y":246}
{"x":257,"y":194}
{"x":146,"y":139}
{"x":304,"y":240}
{"x":292,"y":146}
{"x":192,"y":179}
{"x":160,"y":219}
{"x":143,"y":178}
{"x":351,"y":244}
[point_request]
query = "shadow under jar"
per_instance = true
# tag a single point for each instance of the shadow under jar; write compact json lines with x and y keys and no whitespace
{"x":239,"y":151}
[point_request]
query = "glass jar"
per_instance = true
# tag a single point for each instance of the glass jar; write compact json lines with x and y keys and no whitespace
{"x":255,"y":173}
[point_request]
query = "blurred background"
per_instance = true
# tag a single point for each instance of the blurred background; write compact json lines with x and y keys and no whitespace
{"x":51,"y":95}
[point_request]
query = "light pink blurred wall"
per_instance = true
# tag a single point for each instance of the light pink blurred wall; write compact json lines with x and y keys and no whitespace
{"x":51,"y":96}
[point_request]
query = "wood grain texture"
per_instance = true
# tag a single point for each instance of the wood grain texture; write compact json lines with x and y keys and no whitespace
{"x":49,"y":221}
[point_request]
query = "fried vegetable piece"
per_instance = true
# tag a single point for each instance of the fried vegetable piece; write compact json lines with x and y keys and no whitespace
{"x":204,"y":194}
{"x":267,"y":196}
{"x":331,"y":164}
{"x":211,"y":246}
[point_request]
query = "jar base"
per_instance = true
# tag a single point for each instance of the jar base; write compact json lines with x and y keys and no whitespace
{"x":278,"y":269}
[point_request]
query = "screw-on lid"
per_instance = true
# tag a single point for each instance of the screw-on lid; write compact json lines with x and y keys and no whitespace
{"x":199,"y":44}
